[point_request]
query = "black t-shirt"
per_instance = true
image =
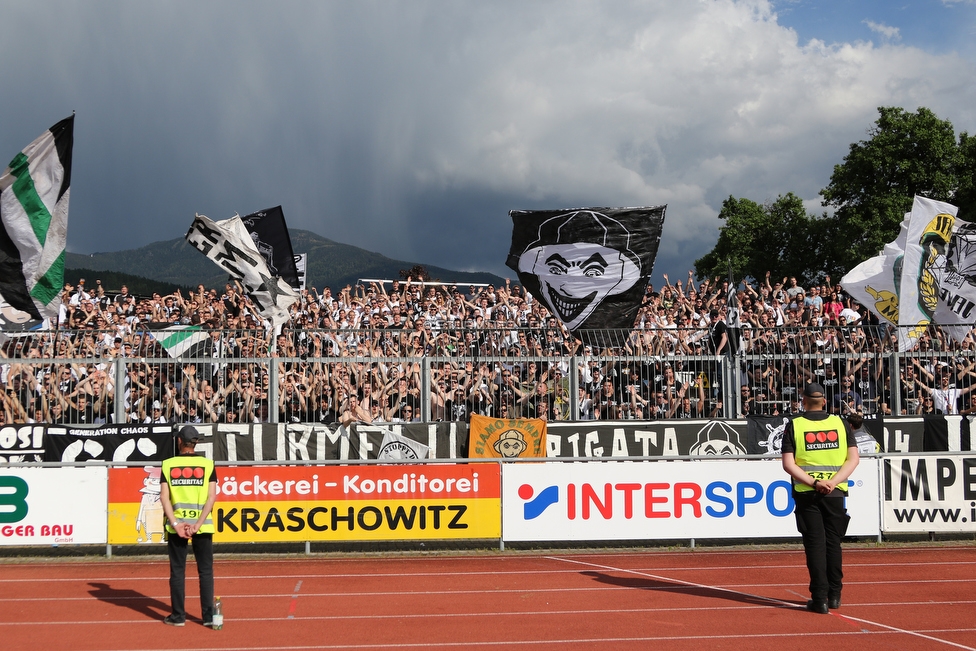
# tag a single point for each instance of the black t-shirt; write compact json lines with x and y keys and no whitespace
{"x":715,"y":333}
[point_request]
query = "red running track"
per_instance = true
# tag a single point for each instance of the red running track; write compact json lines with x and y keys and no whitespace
{"x":898,"y":598}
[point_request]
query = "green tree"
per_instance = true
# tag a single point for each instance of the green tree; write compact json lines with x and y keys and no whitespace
{"x":965,"y":196}
{"x":906,"y":154}
{"x":756,"y":238}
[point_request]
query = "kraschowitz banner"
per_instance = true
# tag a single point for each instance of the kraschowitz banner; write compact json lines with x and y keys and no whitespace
{"x":713,"y":498}
{"x":53,"y":506}
{"x":349,"y":503}
{"x":929,"y":493}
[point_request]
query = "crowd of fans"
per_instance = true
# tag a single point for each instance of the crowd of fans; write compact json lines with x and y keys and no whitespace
{"x":372,"y":353}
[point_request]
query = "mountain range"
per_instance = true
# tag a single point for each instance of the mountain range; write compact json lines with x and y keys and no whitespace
{"x":170,"y":264}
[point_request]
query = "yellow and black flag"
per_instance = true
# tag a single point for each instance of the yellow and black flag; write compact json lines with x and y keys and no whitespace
{"x":510,"y":438}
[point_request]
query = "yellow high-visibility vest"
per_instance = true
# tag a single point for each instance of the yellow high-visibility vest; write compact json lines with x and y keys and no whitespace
{"x":821,"y":448}
{"x":188,"y":478}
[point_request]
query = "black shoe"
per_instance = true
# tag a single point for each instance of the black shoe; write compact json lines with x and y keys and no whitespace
{"x":833,"y":603}
{"x":172,"y":621}
{"x":818,"y":607}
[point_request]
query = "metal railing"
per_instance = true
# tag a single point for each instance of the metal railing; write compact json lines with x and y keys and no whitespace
{"x":432,"y":374}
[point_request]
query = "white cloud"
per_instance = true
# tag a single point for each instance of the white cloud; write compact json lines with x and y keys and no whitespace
{"x":889,"y":33}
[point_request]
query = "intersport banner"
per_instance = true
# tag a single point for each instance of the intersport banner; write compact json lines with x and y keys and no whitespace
{"x":52,"y":506}
{"x":929,"y":493}
{"x":347,"y":503}
{"x":660,"y":501}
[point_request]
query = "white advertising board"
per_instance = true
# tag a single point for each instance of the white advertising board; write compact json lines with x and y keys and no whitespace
{"x":665,"y":500}
{"x":929,"y":493}
{"x":53,"y":506}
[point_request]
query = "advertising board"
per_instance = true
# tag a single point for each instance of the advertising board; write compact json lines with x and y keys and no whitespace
{"x":665,"y":500}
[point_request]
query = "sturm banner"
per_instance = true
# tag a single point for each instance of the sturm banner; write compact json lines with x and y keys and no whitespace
{"x":317,"y":442}
{"x":589,"y":266}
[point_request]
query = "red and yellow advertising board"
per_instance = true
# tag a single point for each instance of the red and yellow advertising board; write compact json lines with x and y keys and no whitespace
{"x":319,"y":503}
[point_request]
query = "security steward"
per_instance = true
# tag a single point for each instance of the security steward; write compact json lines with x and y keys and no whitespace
{"x":188,"y":492}
{"x":820,"y":454}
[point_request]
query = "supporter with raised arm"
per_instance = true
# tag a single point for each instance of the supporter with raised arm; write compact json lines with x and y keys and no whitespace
{"x":947,"y":395}
{"x":847,"y":400}
{"x":683,"y":407}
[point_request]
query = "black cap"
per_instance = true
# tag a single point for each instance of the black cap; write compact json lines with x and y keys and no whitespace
{"x":813,"y":390}
{"x":189,"y":434}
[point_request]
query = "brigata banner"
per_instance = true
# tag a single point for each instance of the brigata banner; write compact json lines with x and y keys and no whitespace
{"x":350,"y":503}
{"x":929,"y":493}
{"x":52,"y":506}
{"x":663,"y":438}
{"x":659,"y":501}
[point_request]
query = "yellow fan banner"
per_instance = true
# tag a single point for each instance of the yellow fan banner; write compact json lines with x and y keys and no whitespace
{"x":506,"y":437}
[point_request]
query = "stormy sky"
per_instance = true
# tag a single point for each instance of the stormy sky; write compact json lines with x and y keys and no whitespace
{"x":413,"y":128}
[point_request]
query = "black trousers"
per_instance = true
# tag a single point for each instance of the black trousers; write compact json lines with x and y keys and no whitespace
{"x":203,"y":554}
{"x":822,"y":521}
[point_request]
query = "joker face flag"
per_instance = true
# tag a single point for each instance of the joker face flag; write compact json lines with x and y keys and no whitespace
{"x":589,"y":266}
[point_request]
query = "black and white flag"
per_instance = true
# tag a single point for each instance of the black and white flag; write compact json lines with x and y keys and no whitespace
{"x":270,"y":235}
{"x":733,"y":318}
{"x":34,"y":192}
{"x":589,"y":266}
{"x":230,"y":246}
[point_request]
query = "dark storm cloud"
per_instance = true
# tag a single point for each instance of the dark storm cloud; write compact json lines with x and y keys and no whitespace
{"x":413,"y":128}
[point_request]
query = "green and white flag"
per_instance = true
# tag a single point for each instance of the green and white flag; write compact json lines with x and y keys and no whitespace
{"x":182,"y":340}
{"x":34,"y":192}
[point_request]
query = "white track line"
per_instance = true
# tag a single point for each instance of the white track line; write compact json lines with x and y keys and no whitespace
{"x":514,"y":643}
{"x":385,"y":575}
{"x":770,"y":599}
